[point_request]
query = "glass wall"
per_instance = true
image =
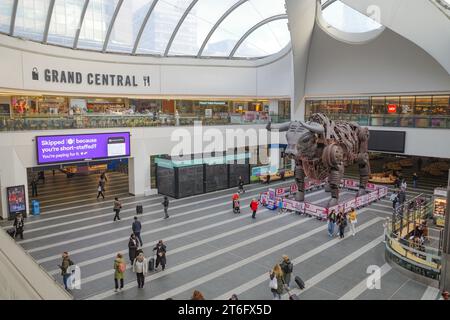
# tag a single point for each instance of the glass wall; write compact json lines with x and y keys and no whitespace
{"x":388,"y":111}
{"x":59,"y":112}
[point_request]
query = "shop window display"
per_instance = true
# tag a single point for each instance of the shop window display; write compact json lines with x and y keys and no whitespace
{"x":378,"y":110}
{"x":392,"y":106}
{"x":423,"y":111}
{"x":406,"y":111}
{"x":440,"y":111}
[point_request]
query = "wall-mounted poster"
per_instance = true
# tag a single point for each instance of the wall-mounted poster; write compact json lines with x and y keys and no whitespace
{"x":16,"y":200}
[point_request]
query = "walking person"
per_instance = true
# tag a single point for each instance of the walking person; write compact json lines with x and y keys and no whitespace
{"x":133,"y":245}
{"x":254,"y":207}
{"x":19,"y":225}
{"x":165,"y":204}
{"x":161,"y":251}
{"x":119,"y":270}
{"x":41,"y":176}
{"x":34,"y":185}
{"x":100,"y":190}
{"x":268,"y":178}
{"x":342,"y":223}
{"x":287,"y":267}
{"x":235,"y":198}
{"x":137,"y":227}
{"x":331,"y":223}
{"x":241,"y":185}
{"x":140,"y":267}
{"x":352,"y":218}
{"x":276,"y":282}
{"x":65,"y":264}
{"x":403,"y":186}
{"x":116,"y":208}
{"x":395,"y":200}
{"x":103,"y":176}
{"x":414,"y":179}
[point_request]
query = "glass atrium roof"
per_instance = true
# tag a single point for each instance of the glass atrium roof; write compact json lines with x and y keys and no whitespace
{"x":246,"y":29}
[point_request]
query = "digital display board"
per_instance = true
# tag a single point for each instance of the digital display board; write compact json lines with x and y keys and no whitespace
{"x":16,"y":200}
{"x":82,"y":147}
{"x":387,"y":141}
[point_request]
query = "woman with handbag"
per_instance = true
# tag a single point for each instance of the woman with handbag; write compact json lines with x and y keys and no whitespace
{"x":276,"y":283}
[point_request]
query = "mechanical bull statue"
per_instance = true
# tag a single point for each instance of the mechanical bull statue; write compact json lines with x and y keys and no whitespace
{"x":322,"y":148}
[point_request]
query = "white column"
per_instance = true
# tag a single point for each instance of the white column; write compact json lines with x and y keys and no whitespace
{"x":139,"y":169}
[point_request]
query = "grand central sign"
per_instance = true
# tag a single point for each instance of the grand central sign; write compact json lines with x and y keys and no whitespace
{"x":91,"y":79}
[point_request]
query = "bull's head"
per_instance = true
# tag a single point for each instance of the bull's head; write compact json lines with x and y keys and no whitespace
{"x":301,"y":137}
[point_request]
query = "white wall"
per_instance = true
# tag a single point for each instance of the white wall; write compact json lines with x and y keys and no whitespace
{"x":18,"y":152}
{"x":21,"y":278}
{"x":388,"y":64}
{"x":183,"y":77}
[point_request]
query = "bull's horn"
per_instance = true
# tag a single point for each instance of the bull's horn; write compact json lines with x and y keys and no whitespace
{"x":313,"y":127}
{"x":281,"y":127}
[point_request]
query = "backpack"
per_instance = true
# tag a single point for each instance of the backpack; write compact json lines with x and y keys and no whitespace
{"x":122,"y":267}
{"x":71,"y":263}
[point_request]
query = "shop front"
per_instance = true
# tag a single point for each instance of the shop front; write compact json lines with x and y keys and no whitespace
{"x":439,"y":206}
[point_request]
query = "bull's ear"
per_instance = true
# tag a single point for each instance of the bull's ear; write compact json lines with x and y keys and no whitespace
{"x":313,"y":127}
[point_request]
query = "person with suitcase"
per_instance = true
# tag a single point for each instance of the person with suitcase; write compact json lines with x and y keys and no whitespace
{"x":165,"y":204}
{"x":11,"y":232}
{"x":116,"y":208}
{"x":19,"y":226}
{"x":65,"y":264}
{"x":140,"y":267}
{"x":287,"y":266}
{"x":137,"y":227}
{"x":161,"y":251}
{"x":133,"y":245}
{"x":34,"y":186}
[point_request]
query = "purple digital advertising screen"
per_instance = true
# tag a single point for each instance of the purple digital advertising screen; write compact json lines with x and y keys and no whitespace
{"x":82,"y":147}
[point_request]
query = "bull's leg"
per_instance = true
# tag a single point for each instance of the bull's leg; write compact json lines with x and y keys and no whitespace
{"x":364,"y":172}
{"x":300,"y":180}
{"x":335,"y":177}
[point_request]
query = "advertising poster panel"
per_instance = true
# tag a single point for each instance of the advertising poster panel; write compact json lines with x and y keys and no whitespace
{"x":16,"y":200}
{"x":83,"y":147}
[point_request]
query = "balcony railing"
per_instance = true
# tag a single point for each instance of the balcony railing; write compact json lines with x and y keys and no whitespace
{"x":413,"y":121}
{"x":52,"y":122}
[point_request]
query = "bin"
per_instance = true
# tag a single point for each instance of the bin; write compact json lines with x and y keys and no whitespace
{"x":35,"y":208}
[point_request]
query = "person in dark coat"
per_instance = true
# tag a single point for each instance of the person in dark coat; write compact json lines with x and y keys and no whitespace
{"x":34,"y":184}
{"x":287,"y":266}
{"x":165,"y":204}
{"x":132,"y":247}
{"x":41,"y":176}
{"x":137,"y":227}
{"x":19,"y":225}
{"x":341,"y":221}
{"x":160,"y":254}
{"x":241,"y":185}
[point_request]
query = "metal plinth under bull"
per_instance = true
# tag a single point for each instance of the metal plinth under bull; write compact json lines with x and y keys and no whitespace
{"x":284,"y":198}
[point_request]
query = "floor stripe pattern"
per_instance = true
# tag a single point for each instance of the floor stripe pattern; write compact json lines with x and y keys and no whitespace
{"x":213,"y":250}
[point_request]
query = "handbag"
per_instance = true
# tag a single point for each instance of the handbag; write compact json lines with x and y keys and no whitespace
{"x":273,"y":284}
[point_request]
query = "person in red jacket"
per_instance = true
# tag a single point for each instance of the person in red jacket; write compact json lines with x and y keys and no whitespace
{"x":254,"y":207}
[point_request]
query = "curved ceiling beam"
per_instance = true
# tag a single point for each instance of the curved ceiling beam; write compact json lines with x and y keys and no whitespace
{"x":327,"y":4}
{"x":47,"y":22}
{"x":253,"y":29}
{"x":80,"y":24}
{"x":144,"y":24}
{"x":111,"y":25}
{"x":180,"y":22}
{"x":13,"y":17}
{"x":218,"y":23}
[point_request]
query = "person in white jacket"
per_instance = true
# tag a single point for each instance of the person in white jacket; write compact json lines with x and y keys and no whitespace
{"x":140,"y":267}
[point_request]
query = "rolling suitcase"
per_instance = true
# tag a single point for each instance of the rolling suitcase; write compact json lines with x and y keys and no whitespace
{"x":11,"y":232}
{"x":139,"y":209}
{"x":293,"y":297}
{"x":300,"y":283}
{"x":151,"y":264}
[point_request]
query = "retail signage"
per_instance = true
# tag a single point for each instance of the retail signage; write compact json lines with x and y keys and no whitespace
{"x":69,"y":148}
{"x":16,"y":200}
{"x":213,"y":103}
{"x":91,"y":79}
{"x":392,"y":108}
